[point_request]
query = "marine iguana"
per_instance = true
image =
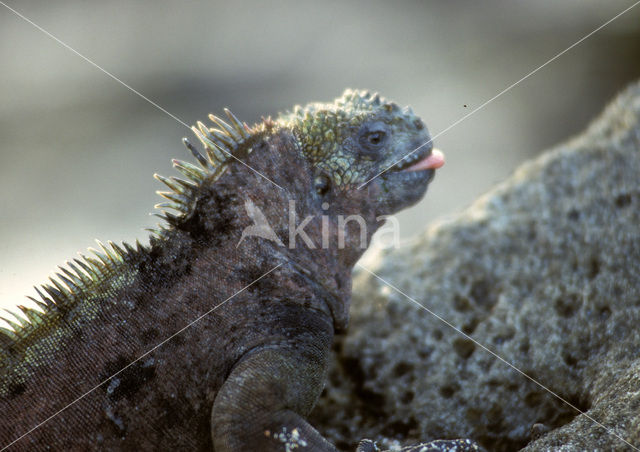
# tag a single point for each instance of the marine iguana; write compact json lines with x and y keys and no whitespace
{"x":201,"y":340}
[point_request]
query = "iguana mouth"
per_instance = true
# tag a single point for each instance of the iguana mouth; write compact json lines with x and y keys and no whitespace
{"x":427,"y":159}
{"x":406,"y":182}
{"x":432,"y":161}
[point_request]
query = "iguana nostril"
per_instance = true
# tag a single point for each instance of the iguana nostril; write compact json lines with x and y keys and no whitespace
{"x":418,"y":124}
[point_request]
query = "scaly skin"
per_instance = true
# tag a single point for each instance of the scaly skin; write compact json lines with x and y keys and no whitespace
{"x":244,"y":375}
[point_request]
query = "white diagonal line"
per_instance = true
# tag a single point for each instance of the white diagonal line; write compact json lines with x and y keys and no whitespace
{"x":608,"y":430}
{"x":139,"y":358}
{"x":68,"y":47}
{"x":508,"y":88}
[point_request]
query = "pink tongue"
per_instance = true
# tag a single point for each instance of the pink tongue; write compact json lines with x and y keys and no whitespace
{"x":435,"y":160}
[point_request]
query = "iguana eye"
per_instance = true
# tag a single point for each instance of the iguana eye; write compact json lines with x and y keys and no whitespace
{"x":373,"y":137}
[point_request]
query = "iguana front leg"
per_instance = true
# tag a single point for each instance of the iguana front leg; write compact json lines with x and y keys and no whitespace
{"x":261,"y":405}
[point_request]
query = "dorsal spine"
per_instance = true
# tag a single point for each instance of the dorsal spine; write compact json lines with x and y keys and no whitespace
{"x":76,"y":279}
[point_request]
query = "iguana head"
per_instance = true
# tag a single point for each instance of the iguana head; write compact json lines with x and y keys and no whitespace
{"x":360,"y":141}
{"x":359,"y":156}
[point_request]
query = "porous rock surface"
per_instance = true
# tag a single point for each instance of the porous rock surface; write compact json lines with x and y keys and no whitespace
{"x":544,"y":271}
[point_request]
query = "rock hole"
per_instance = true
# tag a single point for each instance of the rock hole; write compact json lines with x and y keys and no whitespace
{"x":570,"y":360}
{"x":481,"y":294}
{"x":449,"y":390}
{"x":470,"y":326}
{"x":504,"y":337}
{"x":461,"y":304}
{"x":402,"y":368}
{"x":573,"y":215}
{"x":605,"y":312}
{"x":463,"y":347}
{"x":623,"y":200}
{"x":567,"y":307}
{"x":407,"y":397}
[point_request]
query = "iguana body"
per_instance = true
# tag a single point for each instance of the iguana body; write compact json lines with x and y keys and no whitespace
{"x":115,"y":362}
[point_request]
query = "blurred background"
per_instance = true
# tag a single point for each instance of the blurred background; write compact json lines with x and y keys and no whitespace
{"x":78,"y":150}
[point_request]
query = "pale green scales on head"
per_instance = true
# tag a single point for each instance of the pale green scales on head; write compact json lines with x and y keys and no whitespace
{"x":334,"y":135}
